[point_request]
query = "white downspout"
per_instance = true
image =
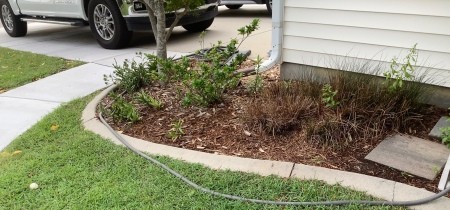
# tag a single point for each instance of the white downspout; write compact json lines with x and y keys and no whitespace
{"x":277,"y":36}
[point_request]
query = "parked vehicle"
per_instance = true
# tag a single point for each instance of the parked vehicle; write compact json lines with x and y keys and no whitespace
{"x":236,"y":4}
{"x":112,"y":22}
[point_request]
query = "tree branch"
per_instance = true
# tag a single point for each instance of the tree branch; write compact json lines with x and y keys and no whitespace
{"x":178,"y":17}
{"x":151,"y":14}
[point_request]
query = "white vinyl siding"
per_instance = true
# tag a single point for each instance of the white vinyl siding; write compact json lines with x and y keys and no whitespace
{"x":316,"y":31}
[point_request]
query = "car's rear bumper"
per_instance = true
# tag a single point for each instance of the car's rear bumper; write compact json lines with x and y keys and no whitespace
{"x":139,"y":21}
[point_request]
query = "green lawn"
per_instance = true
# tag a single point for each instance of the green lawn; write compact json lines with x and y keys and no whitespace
{"x":18,"y":68}
{"x":76,"y":169}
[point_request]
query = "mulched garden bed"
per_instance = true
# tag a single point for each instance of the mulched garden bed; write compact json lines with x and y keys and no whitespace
{"x":220,"y":129}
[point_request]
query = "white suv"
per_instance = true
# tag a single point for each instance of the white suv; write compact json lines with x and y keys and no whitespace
{"x":236,"y":4}
{"x":111,"y":21}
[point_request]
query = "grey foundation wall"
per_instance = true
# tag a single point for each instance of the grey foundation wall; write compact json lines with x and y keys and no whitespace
{"x":291,"y":71}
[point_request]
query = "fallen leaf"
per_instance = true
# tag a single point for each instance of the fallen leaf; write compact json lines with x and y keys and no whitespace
{"x":200,"y":147}
{"x":261,"y":150}
{"x":17,"y":152}
{"x":54,"y":127}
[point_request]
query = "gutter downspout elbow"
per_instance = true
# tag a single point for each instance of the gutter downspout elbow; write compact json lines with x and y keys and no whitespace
{"x":277,"y":37}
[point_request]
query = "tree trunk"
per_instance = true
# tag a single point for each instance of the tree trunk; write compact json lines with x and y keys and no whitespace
{"x":161,"y":42}
{"x":157,"y":15}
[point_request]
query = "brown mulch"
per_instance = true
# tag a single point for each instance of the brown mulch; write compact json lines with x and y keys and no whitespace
{"x":220,"y":130}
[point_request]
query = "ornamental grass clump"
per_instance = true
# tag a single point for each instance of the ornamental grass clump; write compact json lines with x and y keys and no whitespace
{"x":280,"y":107}
{"x":342,"y":111}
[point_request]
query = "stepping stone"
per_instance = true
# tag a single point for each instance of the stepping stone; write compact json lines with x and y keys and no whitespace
{"x":410,"y":154}
{"x":442,"y":123}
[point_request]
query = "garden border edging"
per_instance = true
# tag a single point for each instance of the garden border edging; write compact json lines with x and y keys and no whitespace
{"x":378,"y":187}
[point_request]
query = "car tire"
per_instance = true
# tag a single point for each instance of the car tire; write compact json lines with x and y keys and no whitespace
{"x":108,"y":25}
{"x":14,"y":27}
{"x":199,"y":26}
{"x":269,"y":6}
{"x":234,"y":6}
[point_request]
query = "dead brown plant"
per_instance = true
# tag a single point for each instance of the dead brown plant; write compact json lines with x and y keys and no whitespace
{"x":280,"y":107}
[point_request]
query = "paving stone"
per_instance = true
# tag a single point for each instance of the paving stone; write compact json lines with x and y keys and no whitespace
{"x":442,"y":123}
{"x":411,"y":154}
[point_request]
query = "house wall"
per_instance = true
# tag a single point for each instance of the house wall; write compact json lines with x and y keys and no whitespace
{"x":324,"y":33}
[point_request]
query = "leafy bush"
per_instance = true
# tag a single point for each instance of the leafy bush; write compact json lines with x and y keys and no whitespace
{"x":203,"y":81}
{"x":121,"y":110}
{"x":446,"y":136}
{"x":399,"y":72}
{"x":257,"y":83}
{"x":206,"y":84}
{"x":328,"y":96}
{"x":132,"y":75}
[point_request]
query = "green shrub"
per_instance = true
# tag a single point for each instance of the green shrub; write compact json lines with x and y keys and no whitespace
{"x":133,"y":75}
{"x":446,"y":136}
{"x":121,"y":110}
{"x":328,"y":96}
{"x":207,"y":83}
{"x":399,"y":72}
{"x":257,"y":83}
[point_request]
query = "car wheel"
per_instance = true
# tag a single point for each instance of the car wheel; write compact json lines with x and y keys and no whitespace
{"x":269,"y":6}
{"x":199,"y":26}
{"x":11,"y":22}
{"x":108,"y":25}
{"x":234,"y":6}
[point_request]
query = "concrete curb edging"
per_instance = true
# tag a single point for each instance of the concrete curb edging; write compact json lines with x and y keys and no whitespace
{"x":378,"y":187}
